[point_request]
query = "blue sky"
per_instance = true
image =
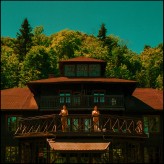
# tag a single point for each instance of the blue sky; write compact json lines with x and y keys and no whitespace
{"x":138,"y":23}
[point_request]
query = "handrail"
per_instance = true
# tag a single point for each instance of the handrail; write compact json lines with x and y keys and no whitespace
{"x":80,"y":123}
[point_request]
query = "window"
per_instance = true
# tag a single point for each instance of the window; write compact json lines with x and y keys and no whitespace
{"x":11,"y":154}
{"x":69,"y":70}
{"x":154,"y":123}
{"x":113,"y":101}
{"x":82,"y":70}
{"x":117,"y":155}
{"x":94,"y":70}
{"x":76,"y":99}
{"x":151,"y":124}
{"x":65,"y":98}
{"x":116,"y":100}
{"x":99,"y":97}
{"x":12,"y":123}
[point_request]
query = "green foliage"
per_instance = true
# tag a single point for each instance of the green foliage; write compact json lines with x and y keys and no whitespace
{"x":65,"y":43}
{"x":37,"y":65}
{"x":92,"y":47}
{"x":9,"y":68}
{"x":23,"y":42}
{"x":6,"y":41}
{"x":102,"y":32}
{"x":152,"y":66}
{"x":33,"y":55}
{"x":39,"y":38}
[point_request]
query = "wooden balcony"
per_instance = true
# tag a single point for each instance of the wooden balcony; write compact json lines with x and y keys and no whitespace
{"x":81,"y":101}
{"x":80,"y":125}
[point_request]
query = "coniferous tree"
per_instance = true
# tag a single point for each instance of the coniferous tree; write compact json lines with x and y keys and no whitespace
{"x":102,"y":32}
{"x":23,"y":41}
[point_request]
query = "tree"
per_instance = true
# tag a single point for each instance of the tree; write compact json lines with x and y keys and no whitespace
{"x":92,"y":47}
{"x":36,"y":65}
{"x":102,"y":32}
{"x":7,"y":41}
{"x":23,"y":41}
{"x":65,"y":43}
{"x":152,"y":64}
{"x":9,"y":68}
{"x":39,"y":38}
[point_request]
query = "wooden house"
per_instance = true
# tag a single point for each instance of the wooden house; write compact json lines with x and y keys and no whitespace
{"x":129,"y":127}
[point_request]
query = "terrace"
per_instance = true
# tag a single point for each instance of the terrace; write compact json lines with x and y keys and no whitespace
{"x":80,"y":125}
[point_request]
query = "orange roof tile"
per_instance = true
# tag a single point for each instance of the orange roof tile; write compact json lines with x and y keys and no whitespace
{"x":82,"y":59}
{"x":17,"y":98}
{"x":78,"y":146}
{"x":72,"y":80}
{"x":151,"y":97}
{"x":22,"y":98}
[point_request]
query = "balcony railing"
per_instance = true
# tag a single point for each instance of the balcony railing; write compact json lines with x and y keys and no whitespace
{"x":81,"y":125}
{"x":82,"y":101}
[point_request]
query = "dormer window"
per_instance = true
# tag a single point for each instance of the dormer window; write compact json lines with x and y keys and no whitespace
{"x":69,"y":70}
{"x":82,"y":70}
{"x":94,"y":70}
{"x":82,"y":67}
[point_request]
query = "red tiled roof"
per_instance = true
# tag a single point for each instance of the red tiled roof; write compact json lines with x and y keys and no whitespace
{"x":72,"y":80}
{"x":17,"y":98}
{"x":78,"y":146}
{"x":83,"y":59}
{"x":151,"y":97}
{"x":22,"y":98}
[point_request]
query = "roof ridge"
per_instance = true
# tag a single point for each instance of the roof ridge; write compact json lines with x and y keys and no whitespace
{"x":28,"y":96}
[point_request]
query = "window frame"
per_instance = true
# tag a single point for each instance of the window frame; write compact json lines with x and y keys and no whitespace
{"x":146,"y":125}
{"x":65,"y":97}
{"x":11,"y":154}
{"x":69,"y":68}
{"x":99,"y":96}
{"x":9,"y":125}
{"x":76,"y":98}
{"x":154,"y":117}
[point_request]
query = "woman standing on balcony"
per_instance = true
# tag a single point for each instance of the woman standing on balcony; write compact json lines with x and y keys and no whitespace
{"x":64,"y":114}
{"x":95,"y":114}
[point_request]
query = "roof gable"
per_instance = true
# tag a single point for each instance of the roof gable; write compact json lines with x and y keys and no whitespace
{"x":17,"y":98}
{"x":22,"y":98}
{"x":151,"y":97}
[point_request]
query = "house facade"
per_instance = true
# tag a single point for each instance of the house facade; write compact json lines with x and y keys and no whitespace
{"x":129,"y":127}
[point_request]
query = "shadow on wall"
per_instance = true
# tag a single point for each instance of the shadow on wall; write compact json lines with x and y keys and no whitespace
{"x":133,"y":104}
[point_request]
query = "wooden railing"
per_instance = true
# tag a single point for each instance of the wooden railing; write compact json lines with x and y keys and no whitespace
{"x":81,"y":101}
{"x":81,"y":124}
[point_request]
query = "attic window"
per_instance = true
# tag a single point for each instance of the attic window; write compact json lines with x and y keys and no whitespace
{"x":94,"y":70}
{"x":69,"y":70}
{"x":82,"y":70}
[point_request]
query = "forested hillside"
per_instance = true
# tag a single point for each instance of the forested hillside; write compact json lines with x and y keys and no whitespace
{"x":32,"y":55}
